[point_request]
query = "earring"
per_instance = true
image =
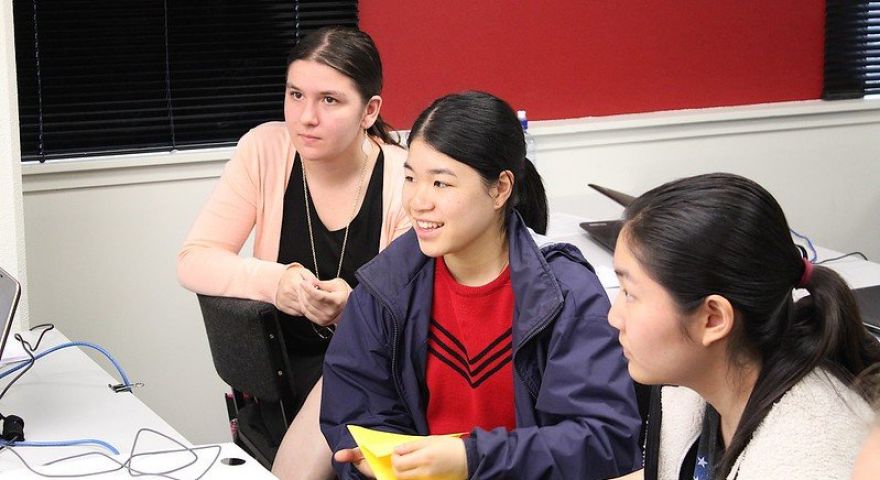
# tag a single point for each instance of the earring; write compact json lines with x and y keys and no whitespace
{"x":366,"y":147}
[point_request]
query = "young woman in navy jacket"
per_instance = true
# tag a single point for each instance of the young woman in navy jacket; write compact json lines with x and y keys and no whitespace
{"x":465,"y":324}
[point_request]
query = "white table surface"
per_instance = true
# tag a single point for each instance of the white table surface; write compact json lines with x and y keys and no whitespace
{"x":65,"y":396}
{"x":568,"y":211}
{"x":221,"y":469}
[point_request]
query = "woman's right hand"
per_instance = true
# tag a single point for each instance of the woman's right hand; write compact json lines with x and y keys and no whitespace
{"x":354,"y":456}
{"x":288,"y":295}
{"x":322,"y":302}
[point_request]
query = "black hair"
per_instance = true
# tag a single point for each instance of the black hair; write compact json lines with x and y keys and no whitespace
{"x":352,"y":53}
{"x":481,"y":131}
{"x":724,"y":234}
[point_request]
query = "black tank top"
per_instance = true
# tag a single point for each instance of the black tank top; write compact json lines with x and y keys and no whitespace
{"x":363,"y":244}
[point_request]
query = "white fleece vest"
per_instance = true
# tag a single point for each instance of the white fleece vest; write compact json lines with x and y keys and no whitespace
{"x":813,"y":432}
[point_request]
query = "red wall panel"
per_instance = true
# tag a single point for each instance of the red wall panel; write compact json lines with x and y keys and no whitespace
{"x":577,"y":58}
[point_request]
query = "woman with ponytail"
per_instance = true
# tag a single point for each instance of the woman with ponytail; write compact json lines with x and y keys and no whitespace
{"x":465,"y":324}
{"x":757,"y":386}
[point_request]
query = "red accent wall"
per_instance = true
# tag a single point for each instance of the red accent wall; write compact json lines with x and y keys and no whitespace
{"x":578,"y":58}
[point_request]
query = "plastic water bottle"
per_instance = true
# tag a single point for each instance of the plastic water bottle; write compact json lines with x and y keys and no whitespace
{"x":530,"y":140}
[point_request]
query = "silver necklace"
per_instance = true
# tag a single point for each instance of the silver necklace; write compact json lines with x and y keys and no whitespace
{"x":322,"y":331}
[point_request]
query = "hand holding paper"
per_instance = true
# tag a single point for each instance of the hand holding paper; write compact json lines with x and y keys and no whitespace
{"x":434,"y":457}
{"x":355,"y":457}
{"x":393,"y":456}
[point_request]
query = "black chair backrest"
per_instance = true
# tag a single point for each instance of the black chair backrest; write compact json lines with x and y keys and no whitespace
{"x":246,"y":345}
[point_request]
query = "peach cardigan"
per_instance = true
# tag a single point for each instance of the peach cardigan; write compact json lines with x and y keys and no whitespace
{"x":250,"y":194}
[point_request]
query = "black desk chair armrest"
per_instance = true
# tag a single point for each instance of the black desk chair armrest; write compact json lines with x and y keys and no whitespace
{"x":247,"y":346}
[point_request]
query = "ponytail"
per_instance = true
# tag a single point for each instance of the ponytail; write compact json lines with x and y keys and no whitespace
{"x":824,"y":330}
{"x":726,"y":235}
{"x":384,"y":132}
{"x":841,"y":340}
{"x":868,"y":384}
{"x":531,"y":199}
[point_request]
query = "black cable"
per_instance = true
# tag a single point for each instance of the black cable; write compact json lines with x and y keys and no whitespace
{"x":126,"y":465}
{"x":183,"y":447}
{"x":842,"y":257}
{"x":30,"y":363}
{"x":30,"y":351}
{"x":46,"y":327}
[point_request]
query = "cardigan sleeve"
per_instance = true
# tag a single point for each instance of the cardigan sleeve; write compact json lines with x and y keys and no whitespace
{"x":209,"y":262}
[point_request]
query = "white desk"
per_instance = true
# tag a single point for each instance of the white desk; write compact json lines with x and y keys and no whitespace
{"x":65,"y":396}
{"x":250,"y":469}
{"x":563,"y":226}
{"x":568,"y":212}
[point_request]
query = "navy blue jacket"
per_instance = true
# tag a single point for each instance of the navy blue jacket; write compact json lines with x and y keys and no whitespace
{"x":576,"y":411}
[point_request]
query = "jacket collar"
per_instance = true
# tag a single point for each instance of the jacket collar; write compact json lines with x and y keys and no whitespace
{"x":391,"y":275}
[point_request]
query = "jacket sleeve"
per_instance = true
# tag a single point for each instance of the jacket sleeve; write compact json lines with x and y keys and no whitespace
{"x":209,"y":261}
{"x":358,"y":385}
{"x":586,"y":413}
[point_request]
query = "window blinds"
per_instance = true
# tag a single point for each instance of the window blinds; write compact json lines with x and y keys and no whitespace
{"x":852,"y":49}
{"x":104,"y":77}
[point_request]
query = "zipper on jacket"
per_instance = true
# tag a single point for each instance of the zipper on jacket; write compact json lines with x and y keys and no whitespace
{"x":529,"y":336}
{"x":395,"y":367}
{"x":395,"y":337}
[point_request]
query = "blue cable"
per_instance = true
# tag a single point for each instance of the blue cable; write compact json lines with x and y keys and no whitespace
{"x":63,"y":443}
{"x":125,"y":380}
{"x":813,"y":255}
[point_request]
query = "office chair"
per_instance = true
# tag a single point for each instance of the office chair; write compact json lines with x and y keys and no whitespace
{"x":249,"y":354}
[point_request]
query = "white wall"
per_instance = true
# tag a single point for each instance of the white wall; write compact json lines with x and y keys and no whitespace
{"x":820,"y":160}
{"x":103,"y":234}
{"x":12,"y":246}
{"x":104,"y":271}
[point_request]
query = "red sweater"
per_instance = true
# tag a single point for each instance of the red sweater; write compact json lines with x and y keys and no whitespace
{"x":469,"y":369}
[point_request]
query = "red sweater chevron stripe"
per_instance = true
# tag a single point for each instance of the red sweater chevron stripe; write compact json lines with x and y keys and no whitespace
{"x":469,"y":370}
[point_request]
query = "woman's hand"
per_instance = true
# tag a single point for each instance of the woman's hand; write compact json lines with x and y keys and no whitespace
{"x":323,"y":301}
{"x":355,"y":457}
{"x":433,"y":457}
{"x":287,"y":296}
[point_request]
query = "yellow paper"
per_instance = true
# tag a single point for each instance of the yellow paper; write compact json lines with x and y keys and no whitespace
{"x":377,"y":448}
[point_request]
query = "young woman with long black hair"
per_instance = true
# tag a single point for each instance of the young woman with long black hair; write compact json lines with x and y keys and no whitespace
{"x":757,"y":386}
{"x":465,"y":324}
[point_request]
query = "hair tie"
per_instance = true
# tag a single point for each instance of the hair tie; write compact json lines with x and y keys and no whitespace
{"x":807,"y":276}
